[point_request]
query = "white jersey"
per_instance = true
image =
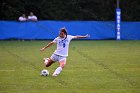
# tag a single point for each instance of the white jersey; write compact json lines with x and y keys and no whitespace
{"x":22,"y":19}
{"x":32,"y":17}
{"x":62,"y":45}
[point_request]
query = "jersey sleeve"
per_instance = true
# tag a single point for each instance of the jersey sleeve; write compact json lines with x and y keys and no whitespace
{"x":72,"y":37}
{"x":55,"y":40}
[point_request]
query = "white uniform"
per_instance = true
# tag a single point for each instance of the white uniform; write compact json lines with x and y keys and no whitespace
{"x":61,"y":52}
{"x":62,"y":45}
{"x":22,"y":19}
{"x":32,"y":18}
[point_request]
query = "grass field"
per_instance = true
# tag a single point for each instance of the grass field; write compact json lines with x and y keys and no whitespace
{"x":92,"y":67}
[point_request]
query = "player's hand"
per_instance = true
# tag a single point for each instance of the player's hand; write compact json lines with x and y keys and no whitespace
{"x":42,"y":49}
{"x":87,"y":35}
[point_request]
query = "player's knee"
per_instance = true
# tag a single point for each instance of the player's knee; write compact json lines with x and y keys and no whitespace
{"x":49,"y":63}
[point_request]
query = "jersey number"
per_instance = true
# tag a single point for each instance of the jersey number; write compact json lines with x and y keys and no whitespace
{"x":64,"y":45}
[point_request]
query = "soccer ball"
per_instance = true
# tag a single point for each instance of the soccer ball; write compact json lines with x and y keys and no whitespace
{"x":44,"y":72}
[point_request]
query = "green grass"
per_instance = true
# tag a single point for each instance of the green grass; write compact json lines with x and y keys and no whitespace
{"x":92,"y":67}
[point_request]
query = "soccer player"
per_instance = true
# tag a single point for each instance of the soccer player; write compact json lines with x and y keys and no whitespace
{"x":61,"y":52}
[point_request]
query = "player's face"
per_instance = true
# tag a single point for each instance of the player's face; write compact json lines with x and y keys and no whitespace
{"x":62,"y":34}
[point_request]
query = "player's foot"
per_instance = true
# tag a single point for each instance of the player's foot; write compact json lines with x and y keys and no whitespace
{"x":54,"y":75}
{"x":45,"y":60}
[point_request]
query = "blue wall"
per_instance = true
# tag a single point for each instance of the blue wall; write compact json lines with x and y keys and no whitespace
{"x":50,"y":29}
{"x":130,"y":31}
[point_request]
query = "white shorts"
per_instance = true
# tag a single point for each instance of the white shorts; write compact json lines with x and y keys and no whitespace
{"x":58,"y":58}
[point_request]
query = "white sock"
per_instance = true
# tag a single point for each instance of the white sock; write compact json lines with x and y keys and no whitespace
{"x":57,"y":71}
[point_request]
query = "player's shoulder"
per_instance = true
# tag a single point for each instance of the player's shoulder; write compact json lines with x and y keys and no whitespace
{"x":70,"y":36}
{"x":57,"y":38}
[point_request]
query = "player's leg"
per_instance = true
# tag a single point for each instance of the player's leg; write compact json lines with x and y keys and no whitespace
{"x":62,"y":64}
{"x":48,"y":62}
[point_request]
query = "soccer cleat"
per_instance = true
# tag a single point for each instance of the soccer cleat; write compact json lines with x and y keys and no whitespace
{"x":45,"y":60}
{"x":54,"y":75}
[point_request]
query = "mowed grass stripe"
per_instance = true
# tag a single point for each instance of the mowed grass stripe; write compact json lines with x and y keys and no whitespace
{"x":19,"y":57}
{"x":92,"y":67}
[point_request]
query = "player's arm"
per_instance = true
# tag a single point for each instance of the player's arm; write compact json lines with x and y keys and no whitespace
{"x":48,"y":45}
{"x":78,"y":36}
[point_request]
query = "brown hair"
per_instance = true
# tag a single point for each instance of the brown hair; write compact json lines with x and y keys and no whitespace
{"x":65,"y":32}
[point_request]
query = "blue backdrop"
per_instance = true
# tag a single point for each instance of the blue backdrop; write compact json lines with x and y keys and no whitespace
{"x":50,"y":29}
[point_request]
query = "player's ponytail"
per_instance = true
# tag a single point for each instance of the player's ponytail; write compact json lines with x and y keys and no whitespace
{"x":64,"y":31}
